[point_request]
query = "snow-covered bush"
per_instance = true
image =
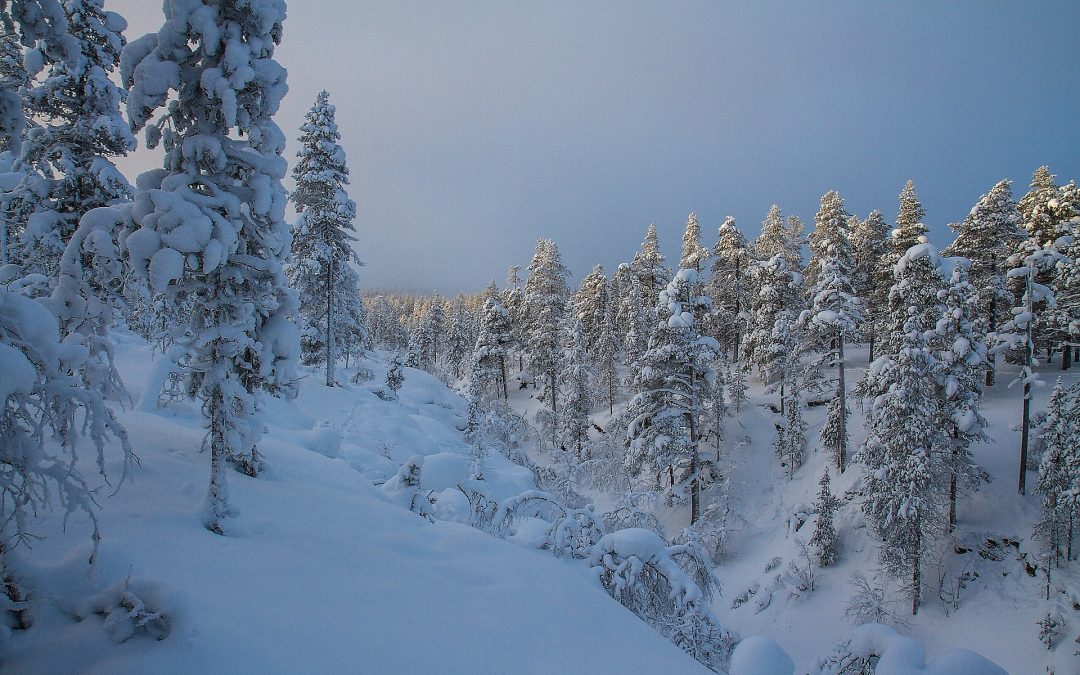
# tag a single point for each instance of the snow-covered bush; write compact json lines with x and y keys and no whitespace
{"x":405,"y":487}
{"x":570,"y":531}
{"x":669,"y":587}
{"x":1051,"y":628}
{"x":868,"y":602}
{"x":130,"y":608}
{"x":875,"y":648}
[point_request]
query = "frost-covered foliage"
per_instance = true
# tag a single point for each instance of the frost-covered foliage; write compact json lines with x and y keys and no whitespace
{"x":570,"y":532}
{"x":77,"y":127}
{"x":606,"y":360}
{"x":876,"y":648}
{"x":1059,"y":471}
{"x":791,"y":431}
{"x":131,"y":607}
{"x":492,"y":347}
{"x":986,"y":237}
{"x":591,"y":304}
{"x":636,"y":337}
{"x":395,"y":374}
{"x":211,"y":222}
{"x":46,"y":408}
{"x":669,"y":587}
{"x":871,"y":281}
{"x":321,"y":244}
{"x":824,"y":541}
{"x":1051,"y":628}
{"x":670,"y":387}
{"x":545,"y":301}
{"x":778,"y":238}
{"x":729,"y":287}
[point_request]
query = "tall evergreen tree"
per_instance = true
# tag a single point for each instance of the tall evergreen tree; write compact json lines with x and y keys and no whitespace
{"x":65,"y":154}
{"x":986,"y":237}
{"x":321,"y":244}
{"x":773,"y":237}
{"x":693,"y":253}
{"x":648,"y":266}
{"x":729,"y":287}
{"x":545,"y":300}
{"x":577,"y":394}
{"x":872,"y":281}
{"x":824,"y":541}
{"x":607,"y":361}
{"x":492,"y":348}
{"x":671,"y":384}
{"x":778,"y":291}
{"x":590,"y":304}
{"x":211,"y":224}
{"x":835,"y":314}
{"x":1059,"y":470}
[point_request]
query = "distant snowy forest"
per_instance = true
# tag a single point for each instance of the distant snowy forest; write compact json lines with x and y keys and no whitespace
{"x":843,"y":405}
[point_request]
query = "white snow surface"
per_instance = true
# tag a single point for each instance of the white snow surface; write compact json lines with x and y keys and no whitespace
{"x":322,"y":571}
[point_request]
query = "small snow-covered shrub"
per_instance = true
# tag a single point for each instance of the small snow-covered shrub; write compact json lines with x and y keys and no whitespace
{"x":669,"y":587}
{"x":878,"y":648}
{"x":868,"y":602}
{"x":363,"y":374}
{"x":570,"y":531}
{"x":405,"y":487}
{"x":1051,"y":628}
{"x":130,"y":608}
{"x":627,"y":515}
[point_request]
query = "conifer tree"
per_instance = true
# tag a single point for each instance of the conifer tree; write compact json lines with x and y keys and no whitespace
{"x":492,"y":348}
{"x":395,"y":374}
{"x":65,"y":154}
{"x":776,"y":301}
{"x":1059,"y":470}
{"x":671,"y":384}
{"x":607,"y":361}
{"x":545,"y":300}
{"x":824,"y":540}
{"x":910,"y":231}
{"x":211,"y":224}
{"x":590,"y":304}
{"x":321,"y":244}
{"x":648,"y":267}
{"x":576,"y":393}
{"x":835,"y":313}
{"x":716,"y":407}
{"x":693,"y":253}
{"x":872,"y":281}
{"x":986,"y":237}
{"x":729,"y":287}
{"x":636,"y":336}
{"x":960,"y":349}
{"x":736,"y":379}
{"x":773,"y":237}
{"x":791,"y":432}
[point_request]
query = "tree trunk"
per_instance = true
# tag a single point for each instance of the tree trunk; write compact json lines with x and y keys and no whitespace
{"x":330,"y":325}
{"x":991,"y":359}
{"x":952,"y":495}
{"x":1026,"y":421}
{"x":695,"y":496}
{"x":916,"y":573}
{"x":871,"y":341}
{"x":502,"y":374}
{"x":841,"y":391}
{"x":216,"y":498}
{"x":1066,"y":357}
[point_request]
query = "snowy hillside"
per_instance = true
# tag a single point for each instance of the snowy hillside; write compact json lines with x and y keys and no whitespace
{"x":322,"y":571}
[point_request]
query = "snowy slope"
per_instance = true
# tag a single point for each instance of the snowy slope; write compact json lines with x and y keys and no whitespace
{"x":322,"y":571}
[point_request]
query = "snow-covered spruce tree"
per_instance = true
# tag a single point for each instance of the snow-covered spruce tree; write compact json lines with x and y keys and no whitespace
{"x":909,"y":232}
{"x":458,"y":345}
{"x":545,"y":301}
{"x":737,"y":387}
{"x":607,"y":361}
{"x":395,"y":374}
{"x":590,"y":304}
{"x":794,"y":241}
{"x":576,"y":392}
{"x":636,"y":338}
{"x":905,"y":504}
{"x":77,"y":128}
{"x":987,"y":237}
{"x":960,"y":348}
{"x":621,"y":283}
{"x":693,"y":253}
{"x":729,"y":287}
{"x":791,"y":431}
{"x":670,"y":386}
{"x":669,"y":587}
{"x":492,"y":349}
{"x":1066,"y":286}
{"x":869,"y":241}
{"x":432,"y":325}
{"x":834,"y":315}
{"x":212,"y":221}
{"x":1059,"y":471}
{"x":716,"y":407}
{"x":321,"y":244}
{"x":648,"y":266}
{"x":777,"y":299}
{"x":824,"y":540}
{"x":773,"y":237}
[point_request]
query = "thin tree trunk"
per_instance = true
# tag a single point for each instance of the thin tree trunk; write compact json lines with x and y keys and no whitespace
{"x":871,"y":359}
{"x":1026,"y":422}
{"x":916,"y":574}
{"x":991,"y":371}
{"x":841,"y":391}
{"x":502,"y":374}
{"x":330,"y":325}
{"x":695,"y":495}
{"x":1066,"y":357}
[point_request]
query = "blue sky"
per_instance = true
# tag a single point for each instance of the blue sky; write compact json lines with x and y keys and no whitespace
{"x":474,"y":128}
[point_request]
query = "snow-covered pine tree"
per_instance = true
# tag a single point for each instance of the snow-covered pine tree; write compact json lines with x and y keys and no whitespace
{"x":1066,"y":314}
{"x":648,"y":266}
{"x":395,"y":374}
{"x":321,"y":243}
{"x":607,"y":360}
{"x":776,"y":300}
{"x":211,"y":223}
{"x":636,"y":337}
{"x":771,"y":241}
{"x":1059,"y":478}
{"x":492,"y":348}
{"x":729,"y":287}
{"x":545,"y":301}
{"x":590,"y":304}
{"x":671,"y":384}
{"x":987,"y":237}
{"x":737,"y":387}
{"x":905,"y":503}
{"x":869,"y":241}
{"x":824,"y":541}
{"x":716,"y":407}
{"x":77,"y":127}
{"x":458,"y":345}
{"x":909,"y":231}
{"x":621,"y":283}
{"x":960,"y":348}
{"x":432,"y":326}
{"x":576,"y":392}
{"x":791,"y":432}
{"x":834,"y":315}
{"x":794,"y":240}
{"x":693,"y":253}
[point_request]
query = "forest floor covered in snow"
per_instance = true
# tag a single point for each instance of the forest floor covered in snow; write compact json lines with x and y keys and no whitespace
{"x":328,"y":567}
